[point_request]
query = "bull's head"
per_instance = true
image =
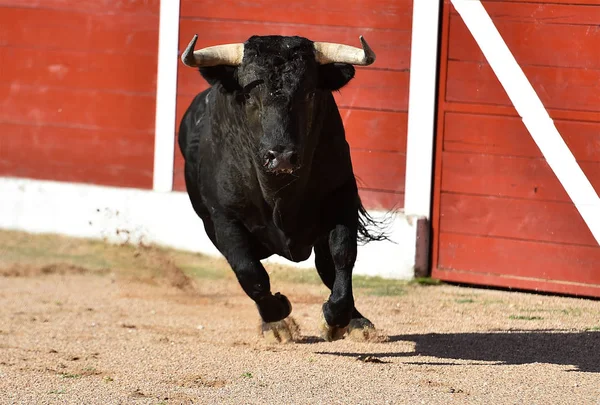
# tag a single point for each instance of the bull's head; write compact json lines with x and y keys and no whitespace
{"x":279,"y":84}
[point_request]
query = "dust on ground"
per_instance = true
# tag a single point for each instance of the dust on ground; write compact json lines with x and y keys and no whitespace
{"x":83,"y":322}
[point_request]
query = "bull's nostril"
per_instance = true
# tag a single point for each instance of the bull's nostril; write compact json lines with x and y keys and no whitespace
{"x":270,"y":155}
{"x":293,"y":159}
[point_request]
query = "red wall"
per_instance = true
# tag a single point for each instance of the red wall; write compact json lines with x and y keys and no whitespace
{"x":374,"y":105}
{"x":77,"y":90}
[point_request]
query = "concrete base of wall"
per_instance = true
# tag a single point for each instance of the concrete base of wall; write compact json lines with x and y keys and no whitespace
{"x":141,"y":216}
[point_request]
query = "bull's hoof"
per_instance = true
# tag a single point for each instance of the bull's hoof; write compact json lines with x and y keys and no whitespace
{"x":284,"y":331}
{"x":363,"y":330}
{"x":331,"y":333}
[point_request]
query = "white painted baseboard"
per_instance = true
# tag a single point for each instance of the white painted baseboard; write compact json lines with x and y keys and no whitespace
{"x":131,"y":215}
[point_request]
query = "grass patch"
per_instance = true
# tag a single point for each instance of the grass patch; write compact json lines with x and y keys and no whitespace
{"x":526,"y":317}
{"x":247,"y":374}
{"x":426,"y":281}
{"x":593,"y":329}
{"x":142,"y":261}
{"x":464,"y":301}
{"x":379,"y":286}
{"x":69,"y":375}
{"x":60,"y":391}
{"x":292,"y":275}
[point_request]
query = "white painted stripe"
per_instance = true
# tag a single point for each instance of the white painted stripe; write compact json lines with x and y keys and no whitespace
{"x":422,"y":107}
{"x":122,"y":215}
{"x":166,"y":95}
{"x":532,"y":111}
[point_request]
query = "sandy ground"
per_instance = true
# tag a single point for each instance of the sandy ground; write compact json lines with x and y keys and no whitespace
{"x":137,"y":330}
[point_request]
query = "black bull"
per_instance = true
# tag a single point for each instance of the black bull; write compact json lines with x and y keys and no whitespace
{"x":268,"y":168}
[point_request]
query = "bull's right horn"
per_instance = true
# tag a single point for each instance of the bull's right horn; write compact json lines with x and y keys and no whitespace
{"x":230,"y":54}
{"x":326,"y":52}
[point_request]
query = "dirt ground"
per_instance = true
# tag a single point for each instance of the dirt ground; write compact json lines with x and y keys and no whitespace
{"x":82,"y":322}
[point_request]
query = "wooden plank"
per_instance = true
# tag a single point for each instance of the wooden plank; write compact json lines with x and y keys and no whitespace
{"x":516,"y":282}
{"x":88,"y":6}
{"x":502,"y":135}
{"x":107,"y":157}
{"x":375,"y":130}
{"x":545,"y":3}
{"x":83,"y":108}
{"x":392,"y":47}
{"x":507,"y":176}
{"x":561,"y":88}
{"x":373,"y":13}
{"x":545,"y":221}
{"x":80,"y":70}
{"x":536,"y":40}
{"x":370,"y":89}
{"x":441,"y":113}
{"x":70,"y":30}
{"x":383,"y":171}
{"x":526,"y":259}
{"x":509,"y":110}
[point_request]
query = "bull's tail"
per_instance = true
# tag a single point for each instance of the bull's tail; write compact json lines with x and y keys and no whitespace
{"x":371,"y":229}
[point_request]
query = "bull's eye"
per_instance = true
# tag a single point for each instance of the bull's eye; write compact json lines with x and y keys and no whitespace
{"x":243,"y":97}
{"x":310,"y":95}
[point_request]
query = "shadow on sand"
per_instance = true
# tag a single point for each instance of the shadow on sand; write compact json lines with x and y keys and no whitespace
{"x":578,"y":349}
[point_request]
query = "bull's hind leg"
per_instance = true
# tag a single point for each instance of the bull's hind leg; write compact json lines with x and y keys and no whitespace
{"x":236,"y":245}
{"x":335,"y":256}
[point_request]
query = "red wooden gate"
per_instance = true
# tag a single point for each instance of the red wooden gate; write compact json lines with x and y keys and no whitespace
{"x":501,"y":217}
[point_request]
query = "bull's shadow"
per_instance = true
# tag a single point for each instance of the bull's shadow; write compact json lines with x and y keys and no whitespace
{"x":578,"y":349}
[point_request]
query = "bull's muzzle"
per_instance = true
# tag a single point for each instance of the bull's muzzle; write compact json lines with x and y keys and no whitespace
{"x":281,"y":162}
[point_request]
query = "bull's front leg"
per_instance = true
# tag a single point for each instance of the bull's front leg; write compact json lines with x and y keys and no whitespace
{"x":338,"y":309}
{"x":235,"y":243}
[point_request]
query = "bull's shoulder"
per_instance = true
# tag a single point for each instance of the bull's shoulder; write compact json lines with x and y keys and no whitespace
{"x":191,"y":126}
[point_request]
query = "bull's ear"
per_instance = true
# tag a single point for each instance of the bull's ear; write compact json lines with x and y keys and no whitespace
{"x":226,"y":75}
{"x":334,"y":76}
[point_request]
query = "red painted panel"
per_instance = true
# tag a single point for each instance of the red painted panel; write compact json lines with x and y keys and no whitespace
{"x":383,"y":171}
{"x":78,"y":70}
{"x":557,"y":222}
{"x":507,"y":176}
{"x":112,"y":157}
{"x":561,"y":88}
{"x":69,"y":30}
{"x":363,"y":13}
{"x":501,"y":135}
{"x":392,"y":47}
{"x":501,"y":280}
{"x":518,"y":258}
{"x":559,"y":11}
{"x":88,"y":6}
{"x":543,"y":43}
{"x":501,"y":217}
{"x":375,"y":130}
{"x":84,"y":108}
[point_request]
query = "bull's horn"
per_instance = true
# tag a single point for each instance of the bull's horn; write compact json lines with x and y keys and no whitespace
{"x":326,"y":52}
{"x":230,"y":54}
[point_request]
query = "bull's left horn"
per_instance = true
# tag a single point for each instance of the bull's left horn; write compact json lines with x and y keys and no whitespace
{"x":326,"y":52}
{"x":230,"y":54}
